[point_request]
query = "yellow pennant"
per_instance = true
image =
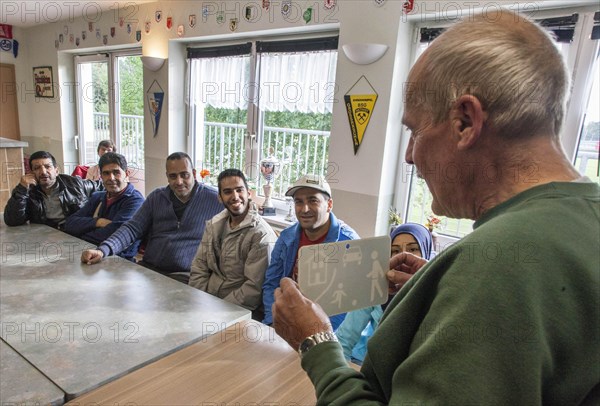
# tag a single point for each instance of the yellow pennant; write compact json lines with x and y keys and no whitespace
{"x":359,"y":108}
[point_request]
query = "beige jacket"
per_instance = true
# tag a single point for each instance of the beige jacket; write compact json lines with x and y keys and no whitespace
{"x":234,"y":268}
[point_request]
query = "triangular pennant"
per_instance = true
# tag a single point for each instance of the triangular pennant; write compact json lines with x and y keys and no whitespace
{"x":359,"y":107}
{"x":155,"y":95}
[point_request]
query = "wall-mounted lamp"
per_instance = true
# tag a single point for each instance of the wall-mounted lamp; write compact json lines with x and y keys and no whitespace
{"x":364,"y":54}
{"x":152,"y":63}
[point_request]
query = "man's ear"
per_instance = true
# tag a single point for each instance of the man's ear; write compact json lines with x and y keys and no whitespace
{"x":467,"y":119}
{"x":329,"y":204}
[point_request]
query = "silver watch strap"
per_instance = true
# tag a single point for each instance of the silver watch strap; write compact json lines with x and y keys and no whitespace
{"x":313,"y":340}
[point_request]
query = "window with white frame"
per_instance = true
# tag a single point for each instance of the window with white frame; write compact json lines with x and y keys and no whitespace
{"x":217,"y":106}
{"x":418,"y":200}
{"x":258,"y":99}
{"x":587,"y":157}
{"x":110,"y":105}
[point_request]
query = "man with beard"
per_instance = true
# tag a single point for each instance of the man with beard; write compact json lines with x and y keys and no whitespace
{"x":106,"y":211}
{"x":171,"y":222}
{"x":45,"y":196}
{"x":234,"y":253}
{"x":316,"y":225}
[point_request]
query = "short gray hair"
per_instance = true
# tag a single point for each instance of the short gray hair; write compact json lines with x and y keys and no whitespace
{"x":508,"y":62}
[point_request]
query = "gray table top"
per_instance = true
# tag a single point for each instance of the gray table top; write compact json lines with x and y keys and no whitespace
{"x":86,"y":325}
{"x":22,"y":384}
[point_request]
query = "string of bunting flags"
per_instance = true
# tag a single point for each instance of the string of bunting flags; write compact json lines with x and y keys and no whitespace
{"x":359,"y":100}
{"x":290,"y":10}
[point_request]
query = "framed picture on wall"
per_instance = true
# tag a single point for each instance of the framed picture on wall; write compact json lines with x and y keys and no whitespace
{"x":42,"y":81}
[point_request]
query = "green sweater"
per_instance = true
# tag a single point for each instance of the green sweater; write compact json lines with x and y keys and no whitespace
{"x":508,"y":315}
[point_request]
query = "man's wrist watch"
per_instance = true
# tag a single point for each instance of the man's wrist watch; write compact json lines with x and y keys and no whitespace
{"x":318,"y":338}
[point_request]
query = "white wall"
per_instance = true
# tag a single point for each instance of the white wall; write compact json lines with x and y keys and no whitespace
{"x":362,"y":184}
{"x":52,"y":123}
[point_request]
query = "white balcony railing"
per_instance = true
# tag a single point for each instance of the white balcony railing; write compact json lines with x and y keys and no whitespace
{"x":301,"y":152}
{"x":132,"y":137}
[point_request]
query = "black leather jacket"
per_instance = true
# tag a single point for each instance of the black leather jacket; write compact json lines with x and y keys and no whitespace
{"x":28,"y":204}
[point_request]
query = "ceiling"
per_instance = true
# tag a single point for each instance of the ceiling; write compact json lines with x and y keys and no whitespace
{"x":29,"y":13}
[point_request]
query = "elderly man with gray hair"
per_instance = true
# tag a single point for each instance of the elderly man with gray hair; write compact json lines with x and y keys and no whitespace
{"x":511,"y":313}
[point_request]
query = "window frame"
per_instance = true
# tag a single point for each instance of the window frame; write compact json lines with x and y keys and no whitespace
{"x":111,"y":59}
{"x":255,"y":120}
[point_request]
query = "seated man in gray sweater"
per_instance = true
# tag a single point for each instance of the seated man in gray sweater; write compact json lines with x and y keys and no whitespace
{"x":171,"y":222}
{"x":234,"y":254}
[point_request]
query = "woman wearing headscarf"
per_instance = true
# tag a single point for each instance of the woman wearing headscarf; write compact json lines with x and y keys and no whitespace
{"x":359,"y":325}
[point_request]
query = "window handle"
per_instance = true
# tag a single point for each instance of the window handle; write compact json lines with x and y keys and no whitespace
{"x":251,"y":137}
